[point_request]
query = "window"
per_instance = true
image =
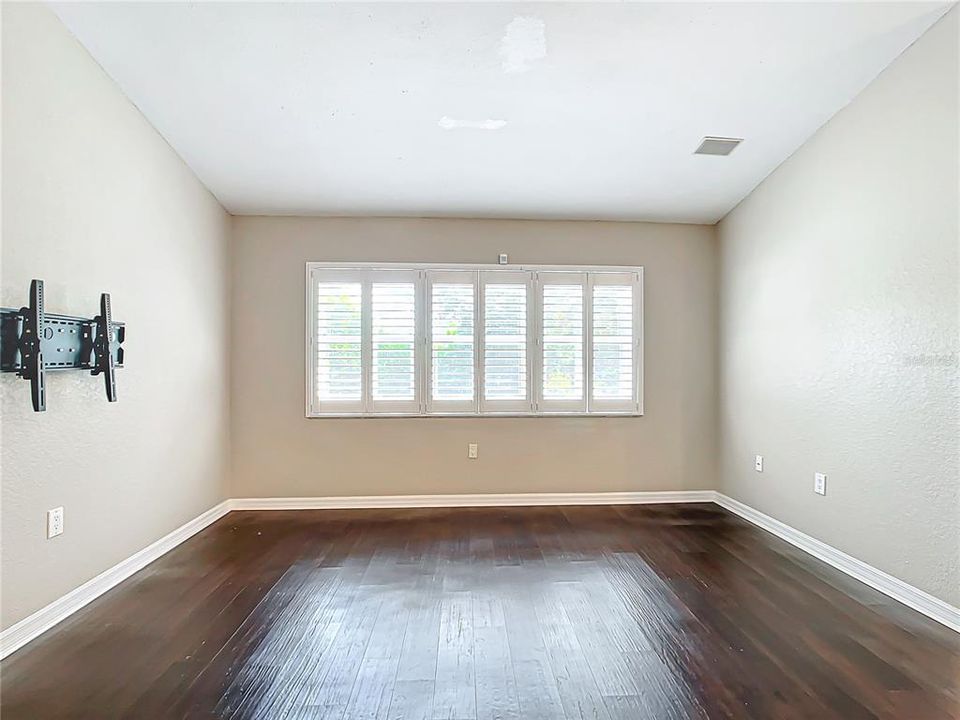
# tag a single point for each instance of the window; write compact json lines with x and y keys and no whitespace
{"x":453,"y":341}
{"x":563,"y":339}
{"x":364,"y":355}
{"x":393,"y":339}
{"x":507,"y":337}
{"x":473,"y":340}
{"x":337,"y":359}
{"x":612,"y":342}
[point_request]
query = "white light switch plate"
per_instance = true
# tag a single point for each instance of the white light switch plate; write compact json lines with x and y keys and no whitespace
{"x":472,"y":451}
{"x":820,"y":483}
{"x":758,"y":463}
{"x":502,"y":258}
{"x":54,"y":522}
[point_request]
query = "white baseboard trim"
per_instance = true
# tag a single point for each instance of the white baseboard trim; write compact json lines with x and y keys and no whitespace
{"x":912,"y":597}
{"x":18,"y":635}
{"x":478,"y":500}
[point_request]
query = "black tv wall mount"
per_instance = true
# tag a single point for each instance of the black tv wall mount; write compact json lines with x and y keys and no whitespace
{"x":33,"y":342}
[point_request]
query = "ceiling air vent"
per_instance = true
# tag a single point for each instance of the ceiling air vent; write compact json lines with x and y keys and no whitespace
{"x":717,"y":146}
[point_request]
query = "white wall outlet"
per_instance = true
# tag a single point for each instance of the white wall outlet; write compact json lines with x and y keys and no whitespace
{"x":54,"y":522}
{"x":820,"y":483}
{"x":758,"y":463}
{"x":502,"y":259}
{"x":472,"y":451}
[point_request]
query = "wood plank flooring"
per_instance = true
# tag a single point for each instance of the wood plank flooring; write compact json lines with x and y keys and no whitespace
{"x":605,"y":613}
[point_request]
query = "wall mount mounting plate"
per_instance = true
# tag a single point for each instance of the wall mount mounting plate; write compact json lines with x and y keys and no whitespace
{"x":34,"y":342}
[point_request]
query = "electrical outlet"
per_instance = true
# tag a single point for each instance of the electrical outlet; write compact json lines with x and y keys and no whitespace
{"x":820,"y":483}
{"x":54,"y":522}
{"x":758,"y":463}
{"x":502,"y":258}
{"x":472,"y":451}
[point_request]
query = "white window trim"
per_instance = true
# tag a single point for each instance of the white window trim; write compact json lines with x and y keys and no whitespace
{"x":482,"y":273}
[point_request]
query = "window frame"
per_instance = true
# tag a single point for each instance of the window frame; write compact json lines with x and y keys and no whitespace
{"x":423,"y":275}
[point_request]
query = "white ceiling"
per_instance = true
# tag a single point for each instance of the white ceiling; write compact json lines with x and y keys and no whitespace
{"x":490,"y":109}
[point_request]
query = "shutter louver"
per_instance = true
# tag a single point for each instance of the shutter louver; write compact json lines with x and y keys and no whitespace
{"x":393,"y":341}
{"x":338,"y":342}
{"x":613,"y":342}
{"x":505,"y":342}
{"x":453,"y":343}
{"x":562,"y":330}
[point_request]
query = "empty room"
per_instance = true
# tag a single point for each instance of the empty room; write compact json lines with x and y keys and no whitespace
{"x":480,"y":361}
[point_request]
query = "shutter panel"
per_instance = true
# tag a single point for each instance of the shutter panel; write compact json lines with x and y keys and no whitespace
{"x":337,"y":361}
{"x":453,"y":341}
{"x":613,"y":351}
{"x":613,"y":341}
{"x":393,"y":342}
{"x":563,"y":322}
{"x":506,"y":347}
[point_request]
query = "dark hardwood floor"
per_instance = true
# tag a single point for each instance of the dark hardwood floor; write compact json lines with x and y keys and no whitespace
{"x":613,"y":613}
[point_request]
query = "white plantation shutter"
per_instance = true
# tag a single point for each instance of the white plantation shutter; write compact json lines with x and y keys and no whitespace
{"x":614,"y":345}
{"x":337,"y":343}
{"x":408,"y":340}
{"x":393,"y":342}
{"x":506,"y":350}
{"x":452,"y":341}
{"x":563,"y":321}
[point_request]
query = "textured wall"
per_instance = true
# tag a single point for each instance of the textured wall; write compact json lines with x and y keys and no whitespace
{"x":277,"y":452}
{"x":94,"y":200}
{"x":839,"y":327}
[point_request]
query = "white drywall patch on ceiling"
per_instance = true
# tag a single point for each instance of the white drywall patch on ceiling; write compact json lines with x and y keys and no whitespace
{"x":304,"y":107}
{"x":524,"y":42}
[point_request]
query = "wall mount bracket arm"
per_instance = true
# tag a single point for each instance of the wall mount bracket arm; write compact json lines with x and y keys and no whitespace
{"x":34,"y":342}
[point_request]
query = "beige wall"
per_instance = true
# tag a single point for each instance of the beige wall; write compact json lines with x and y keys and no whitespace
{"x":94,"y":200}
{"x":277,"y":452}
{"x":839,"y":327}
